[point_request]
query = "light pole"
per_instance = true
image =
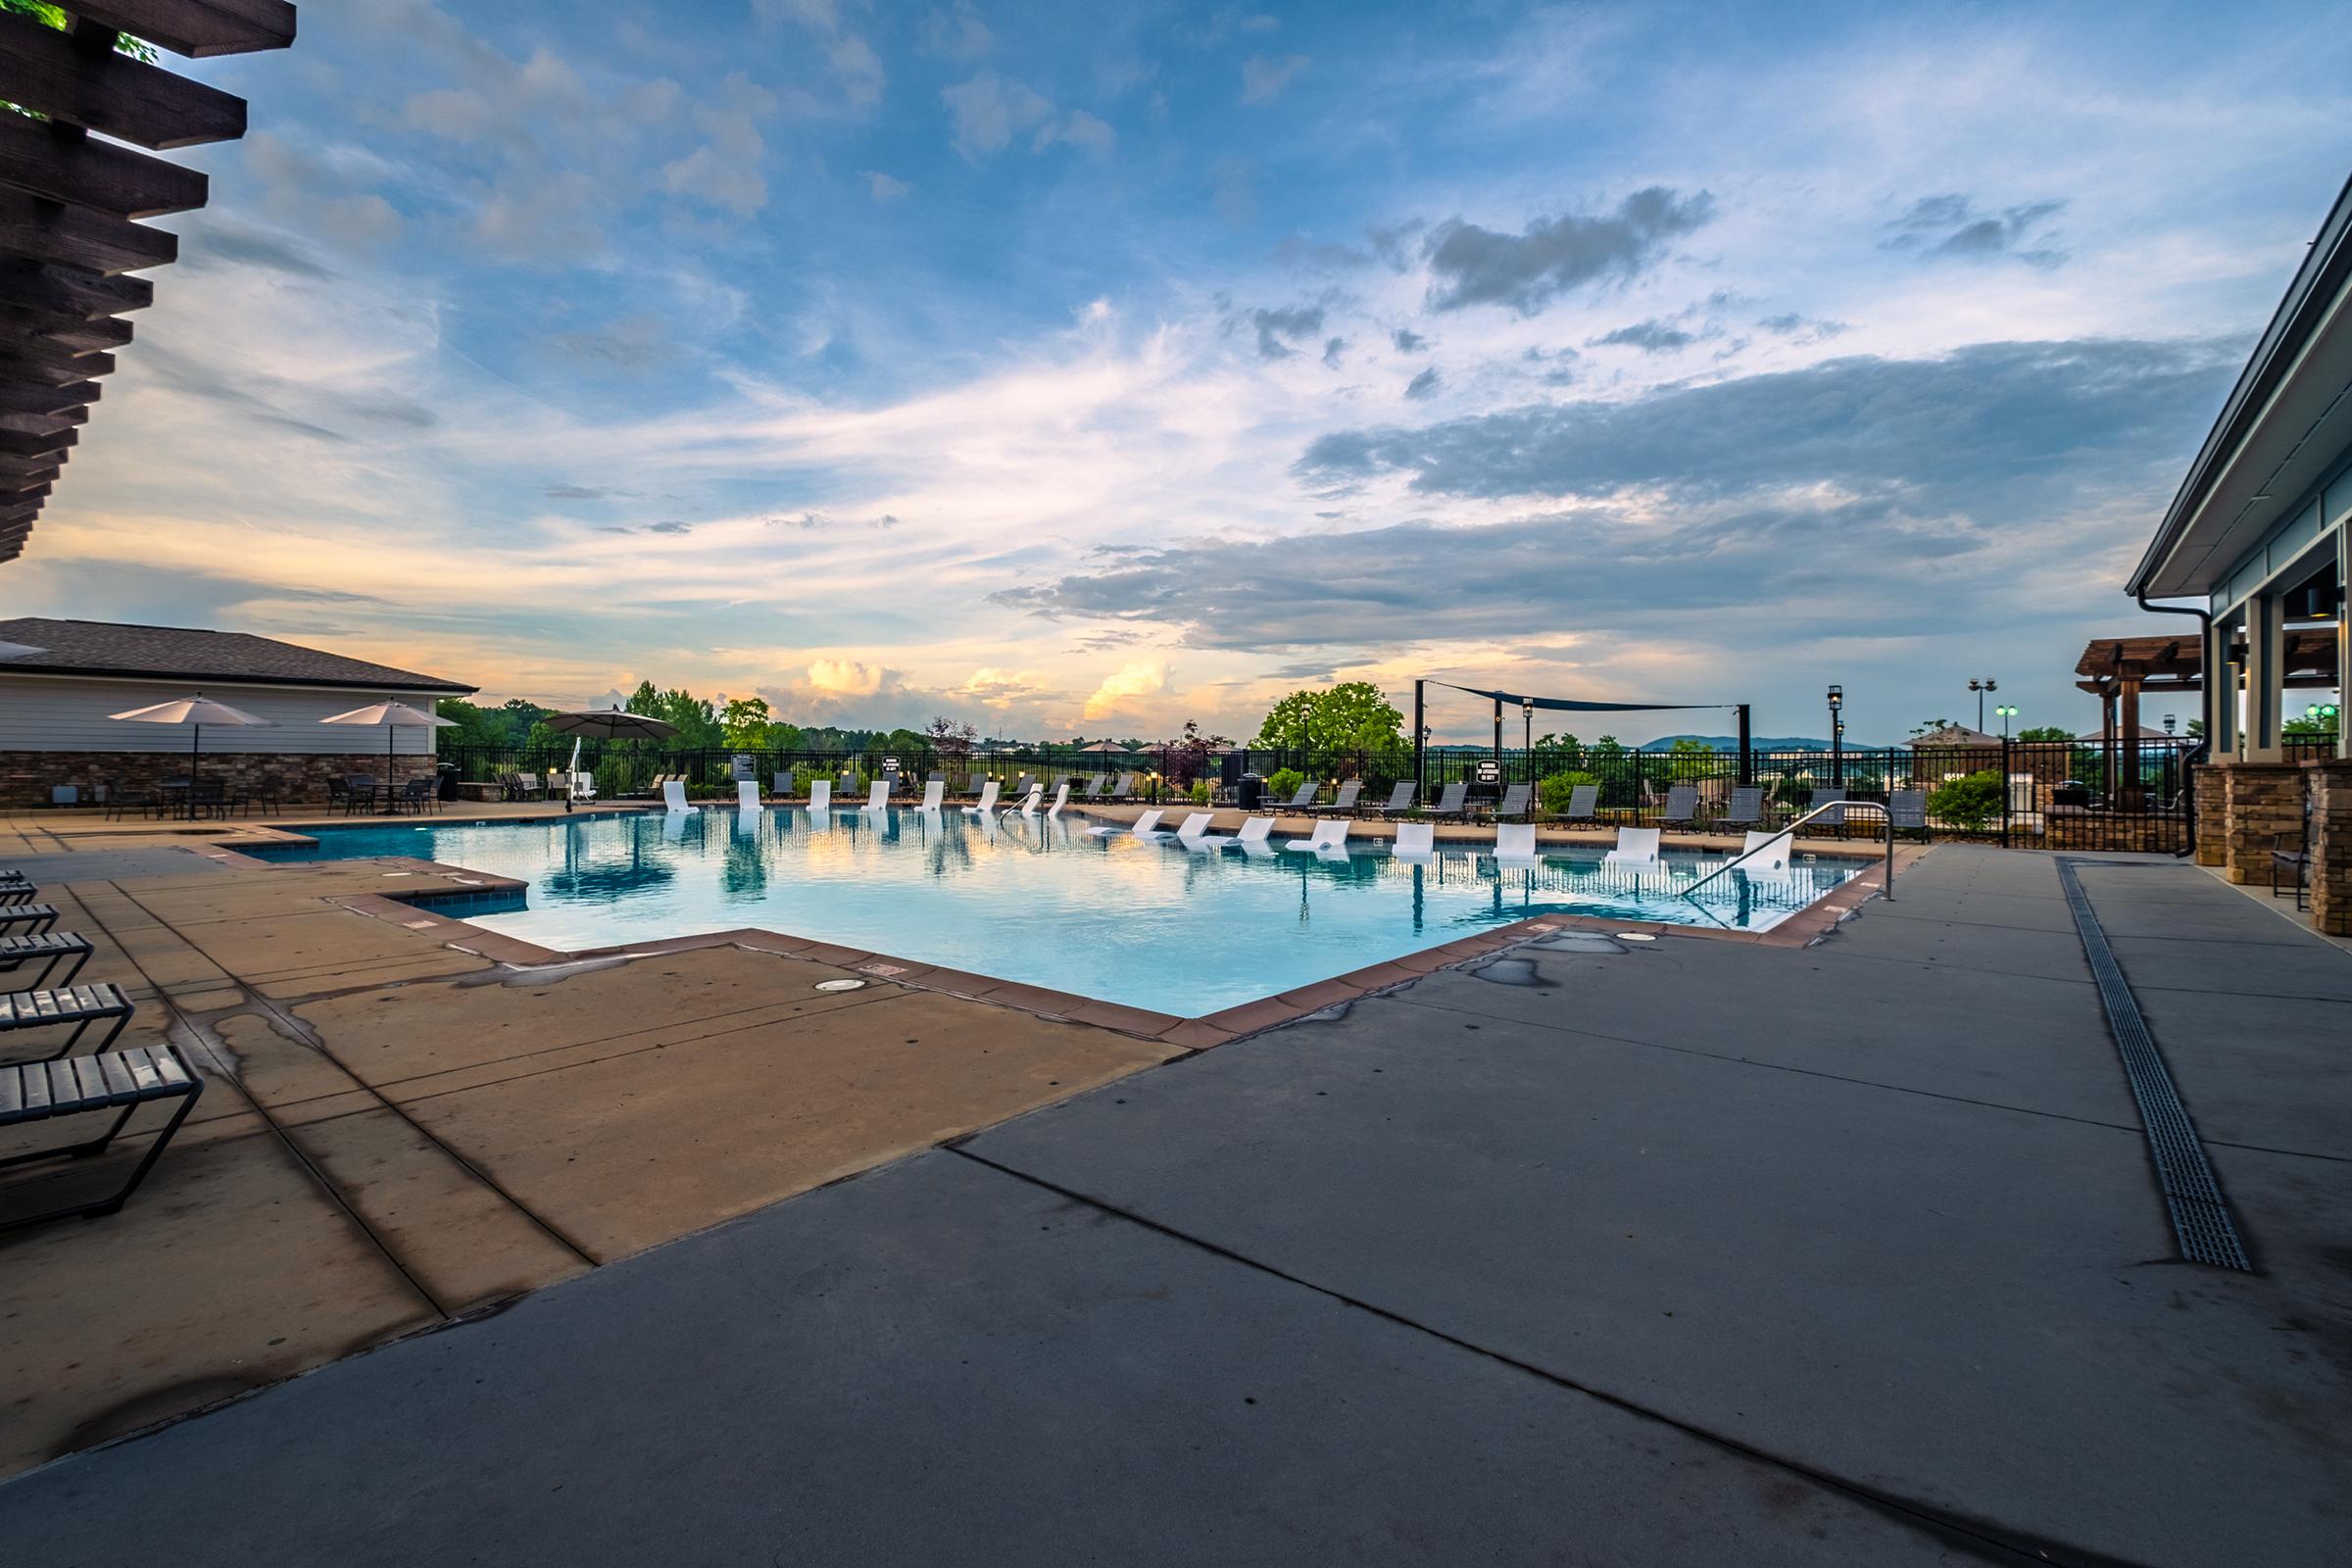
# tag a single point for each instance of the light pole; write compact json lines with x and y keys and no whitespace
{"x":2007,"y":713}
{"x":1981,"y":688}
{"x":1527,"y":715}
{"x":2171,"y":721}
{"x":1837,"y":736}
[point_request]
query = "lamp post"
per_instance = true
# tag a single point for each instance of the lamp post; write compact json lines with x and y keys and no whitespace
{"x":2007,"y":713}
{"x":1981,"y":688}
{"x":1837,"y":736}
{"x":2172,"y":722}
{"x":1527,"y":744}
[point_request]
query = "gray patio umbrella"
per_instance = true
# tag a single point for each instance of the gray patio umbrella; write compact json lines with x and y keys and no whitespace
{"x":194,"y":712}
{"x":391,"y":716}
{"x":608,"y":724}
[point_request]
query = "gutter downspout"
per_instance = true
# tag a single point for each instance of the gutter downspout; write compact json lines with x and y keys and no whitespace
{"x":2199,"y":752}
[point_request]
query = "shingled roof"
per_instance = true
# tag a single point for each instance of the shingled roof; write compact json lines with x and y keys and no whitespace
{"x":178,"y":653}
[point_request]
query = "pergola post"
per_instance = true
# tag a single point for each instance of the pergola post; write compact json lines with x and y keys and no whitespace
{"x":1747,"y":752}
{"x":2266,"y":677}
{"x":2107,"y":744}
{"x":2130,"y":721}
{"x":1420,"y":739}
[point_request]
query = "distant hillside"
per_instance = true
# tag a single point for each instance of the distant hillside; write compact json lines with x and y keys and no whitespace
{"x":1731,"y":743}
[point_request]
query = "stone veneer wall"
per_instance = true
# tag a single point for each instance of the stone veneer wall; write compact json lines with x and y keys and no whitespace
{"x":2212,"y":813}
{"x":2331,"y":847}
{"x":27,"y":777}
{"x":2266,"y":803}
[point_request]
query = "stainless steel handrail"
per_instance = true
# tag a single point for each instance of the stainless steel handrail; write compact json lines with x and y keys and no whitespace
{"x":1818,"y":811}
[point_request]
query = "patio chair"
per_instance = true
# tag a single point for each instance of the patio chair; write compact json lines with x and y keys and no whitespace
{"x":673,"y":796}
{"x":747,"y":795}
{"x":414,"y":795}
{"x":1304,"y":800}
{"x":78,"y":1005}
{"x":1907,"y":812}
{"x":1515,"y":842}
{"x":1415,"y":841}
{"x":1583,"y":803}
{"x":1766,"y":853}
{"x":988,"y":801}
{"x":1636,"y":847}
{"x":1032,"y":801}
{"x":1124,"y":789}
{"x":1061,"y":798}
{"x":1747,"y":809}
{"x":1515,"y":802}
{"x":1331,"y":834}
{"x":784,"y":782}
{"x":877,"y":799}
{"x":979,"y":782}
{"x":1091,"y":788}
{"x":820,"y":796}
{"x":1342,"y":802}
{"x":1835,"y":822}
{"x":1196,"y":827}
{"x":1681,"y":805}
{"x":129,"y":1079}
{"x":1253,"y":837}
{"x":358,"y":793}
{"x":935,"y":794}
{"x":2295,"y":862}
{"x":1143,"y":827}
{"x":1454,"y":801}
{"x":51,"y":948}
{"x":1400,"y":801}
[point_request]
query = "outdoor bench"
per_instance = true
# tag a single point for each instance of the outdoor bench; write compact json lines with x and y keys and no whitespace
{"x":40,"y":917}
{"x":78,"y":1005}
{"x":55,"y":945}
{"x":41,"y":1091}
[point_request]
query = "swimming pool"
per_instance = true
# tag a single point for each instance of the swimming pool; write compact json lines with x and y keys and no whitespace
{"x":1148,"y":924}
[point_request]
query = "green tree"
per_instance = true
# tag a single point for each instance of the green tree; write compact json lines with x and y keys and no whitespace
{"x":2046,"y":732}
{"x":744,"y":723}
{"x":1969,"y":800}
{"x":1351,"y":716}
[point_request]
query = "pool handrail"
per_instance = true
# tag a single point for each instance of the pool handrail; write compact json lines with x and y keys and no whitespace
{"x":1879,"y":807}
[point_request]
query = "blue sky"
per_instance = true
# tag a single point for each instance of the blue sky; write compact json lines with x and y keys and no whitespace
{"x":1075,"y":373}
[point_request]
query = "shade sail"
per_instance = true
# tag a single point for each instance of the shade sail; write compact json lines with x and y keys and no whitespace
{"x":1564,"y":704}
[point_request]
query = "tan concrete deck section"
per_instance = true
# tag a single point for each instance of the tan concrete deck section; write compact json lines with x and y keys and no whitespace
{"x":396,"y":1132}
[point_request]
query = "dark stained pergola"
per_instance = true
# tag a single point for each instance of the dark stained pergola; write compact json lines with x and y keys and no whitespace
{"x":2121,"y":670}
{"x":72,"y":199}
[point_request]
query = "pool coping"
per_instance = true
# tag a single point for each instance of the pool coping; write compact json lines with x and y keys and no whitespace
{"x":410,"y":907}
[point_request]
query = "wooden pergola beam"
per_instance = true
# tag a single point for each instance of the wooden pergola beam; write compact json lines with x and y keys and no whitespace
{"x":65,"y":164}
{"x":43,"y":423}
{"x":197,"y":29}
{"x":29,"y":360}
{"x":21,"y":397}
{"x":56,"y":231}
{"x":16,"y":444}
{"x":70,"y":290}
{"x":63,"y":77}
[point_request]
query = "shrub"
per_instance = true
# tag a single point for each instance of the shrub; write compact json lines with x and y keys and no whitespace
{"x":1199,"y":791}
{"x":1283,"y":783}
{"x":1969,"y":800}
{"x":1554,"y":791}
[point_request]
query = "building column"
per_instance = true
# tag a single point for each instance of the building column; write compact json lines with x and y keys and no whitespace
{"x":2266,"y":678}
{"x":2221,"y":693}
{"x":2212,"y":784}
{"x":2343,"y":640}
{"x":2265,"y":813}
{"x":2331,"y":847}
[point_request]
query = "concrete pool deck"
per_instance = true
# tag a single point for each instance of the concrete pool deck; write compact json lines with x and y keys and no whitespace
{"x":1690,"y":1251}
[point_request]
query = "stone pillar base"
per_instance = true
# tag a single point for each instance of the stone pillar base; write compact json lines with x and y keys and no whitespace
{"x":2212,"y":844}
{"x":2331,"y":846}
{"x":2265,"y":810}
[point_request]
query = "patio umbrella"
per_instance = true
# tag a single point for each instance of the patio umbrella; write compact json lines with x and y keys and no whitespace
{"x":392,"y":716}
{"x":194,"y":712}
{"x":606,"y":724}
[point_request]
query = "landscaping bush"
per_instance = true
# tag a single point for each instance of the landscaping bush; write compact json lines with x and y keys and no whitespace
{"x":1199,"y":791}
{"x":1555,"y":790}
{"x":1284,"y":782}
{"x":1969,"y":800}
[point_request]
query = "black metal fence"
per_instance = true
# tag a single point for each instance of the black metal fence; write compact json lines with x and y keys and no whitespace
{"x":2060,"y":794}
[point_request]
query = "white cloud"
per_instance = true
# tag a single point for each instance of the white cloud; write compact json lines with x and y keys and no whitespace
{"x":987,"y":111}
{"x":1123,"y":684}
{"x":1263,"y":80}
{"x":884,"y":187}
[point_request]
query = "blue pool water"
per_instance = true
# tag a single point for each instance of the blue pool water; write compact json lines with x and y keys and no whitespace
{"x":1149,"y":924}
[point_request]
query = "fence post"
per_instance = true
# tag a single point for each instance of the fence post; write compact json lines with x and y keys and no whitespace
{"x":1747,"y":755}
{"x":2005,"y":802}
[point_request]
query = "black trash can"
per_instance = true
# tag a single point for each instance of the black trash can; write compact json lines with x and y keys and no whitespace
{"x":448,"y":789}
{"x":1249,"y":790}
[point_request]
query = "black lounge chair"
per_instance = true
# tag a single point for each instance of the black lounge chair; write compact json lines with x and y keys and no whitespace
{"x":78,"y":1006}
{"x":1681,"y":805}
{"x":1454,"y":801}
{"x":1400,"y":799}
{"x":1515,"y":802}
{"x":1583,"y":803}
{"x":1835,"y":822}
{"x":1747,"y":809}
{"x":53,"y":947}
{"x":1344,"y":803}
{"x":44,"y":1090}
{"x":1123,"y":788}
{"x":1304,"y":800}
{"x":2295,"y":862}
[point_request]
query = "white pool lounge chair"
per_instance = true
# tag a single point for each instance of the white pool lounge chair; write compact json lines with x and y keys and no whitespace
{"x":747,"y":795}
{"x":1143,"y":827}
{"x":988,"y":801}
{"x":1328,"y":834}
{"x":820,"y":796}
{"x":673,"y":826}
{"x":1061,"y":798}
{"x":1770,"y":854}
{"x":1031,"y":801}
{"x":1195,"y":826}
{"x":1516,"y":842}
{"x":1415,"y":841}
{"x":934,"y":794}
{"x":1251,"y":836}
{"x":1636,"y":847}
{"x":674,"y":795}
{"x":877,"y":799}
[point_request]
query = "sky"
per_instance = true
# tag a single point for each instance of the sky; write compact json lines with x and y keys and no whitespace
{"x":1073,"y":369}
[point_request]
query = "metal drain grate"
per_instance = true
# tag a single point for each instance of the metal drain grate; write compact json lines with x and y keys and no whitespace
{"x":2200,"y":1218}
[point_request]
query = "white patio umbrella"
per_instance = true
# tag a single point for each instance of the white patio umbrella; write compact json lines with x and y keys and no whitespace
{"x":606,"y":724}
{"x":392,"y":716}
{"x":194,"y":712}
